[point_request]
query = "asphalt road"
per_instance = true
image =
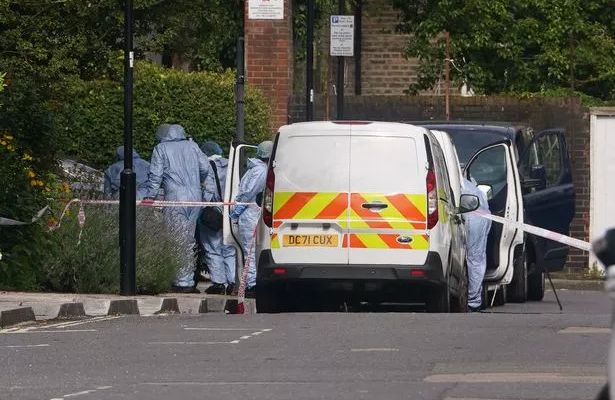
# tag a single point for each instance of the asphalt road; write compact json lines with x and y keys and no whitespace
{"x":529,"y":351}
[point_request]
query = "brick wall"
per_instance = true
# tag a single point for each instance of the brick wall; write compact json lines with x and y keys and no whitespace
{"x":540,"y":113}
{"x":269,"y":61}
{"x":385,"y":70}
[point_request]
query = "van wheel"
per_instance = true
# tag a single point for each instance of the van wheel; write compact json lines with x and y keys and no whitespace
{"x":267,"y":299}
{"x":438,"y":300}
{"x":459,"y":303}
{"x":501,"y":296}
{"x":517,"y":288}
{"x":536,"y":286}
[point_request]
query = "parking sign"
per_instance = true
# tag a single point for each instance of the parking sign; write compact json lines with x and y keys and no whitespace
{"x":342,"y":35}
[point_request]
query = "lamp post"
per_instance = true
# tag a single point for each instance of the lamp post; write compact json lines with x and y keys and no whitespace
{"x":128,"y":281}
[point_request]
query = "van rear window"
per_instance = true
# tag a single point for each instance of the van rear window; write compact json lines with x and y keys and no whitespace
{"x":313,"y":163}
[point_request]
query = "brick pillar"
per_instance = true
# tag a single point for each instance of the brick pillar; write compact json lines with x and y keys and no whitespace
{"x":269,"y":61}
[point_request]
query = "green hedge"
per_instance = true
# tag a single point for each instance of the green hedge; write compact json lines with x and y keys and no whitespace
{"x":89,"y":115}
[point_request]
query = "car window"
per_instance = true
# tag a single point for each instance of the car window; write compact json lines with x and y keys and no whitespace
{"x":545,"y":151}
{"x":441,"y":171}
{"x":489,"y":168}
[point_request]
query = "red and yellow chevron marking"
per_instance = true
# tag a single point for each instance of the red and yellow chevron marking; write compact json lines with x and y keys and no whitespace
{"x":275,"y":242}
{"x":309,"y":205}
{"x":384,"y":241}
{"x":403,"y":211}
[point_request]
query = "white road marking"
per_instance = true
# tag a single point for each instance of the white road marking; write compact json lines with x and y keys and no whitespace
{"x":25,"y":346}
{"x":68,"y":396}
{"x":505,"y":377}
{"x":234,"y":342}
{"x":79,"y":393}
{"x":256,"y":333}
{"x":245,"y":337}
{"x":384,"y":349}
{"x":189,"y":343}
{"x":585,"y":330}
{"x":59,"y":331}
{"x":224,"y":329}
{"x":60,"y":325}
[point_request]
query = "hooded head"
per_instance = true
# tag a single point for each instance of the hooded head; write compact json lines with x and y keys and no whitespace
{"x":119,"y":153}
{"x":170,"y":133}
{"x":264,"y":150}
{"x":211,"y":148}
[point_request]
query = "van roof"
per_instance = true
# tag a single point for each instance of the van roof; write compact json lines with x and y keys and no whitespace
{"x":373,"y":126}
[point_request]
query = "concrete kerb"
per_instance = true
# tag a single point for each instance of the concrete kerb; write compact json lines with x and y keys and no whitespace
{"x":16,"y":316}
{"x":28,"y":307}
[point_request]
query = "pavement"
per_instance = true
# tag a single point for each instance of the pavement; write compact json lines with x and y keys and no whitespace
{"x":21,"y":307}
{"x":517,"y":351}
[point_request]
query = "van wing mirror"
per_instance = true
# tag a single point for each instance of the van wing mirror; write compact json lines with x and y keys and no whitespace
{"x":468,"y":203}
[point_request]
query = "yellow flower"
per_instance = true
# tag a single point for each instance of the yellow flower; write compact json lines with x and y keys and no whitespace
{"x":30,"y":174}
{"x":27,"y":157}
{"x":8,"y":137}
{"x":40,"y":183}
{"x":10,"y":147}
{"x":2,"y":142}
{"x":65,"y":187}
{"x":33,"y":183}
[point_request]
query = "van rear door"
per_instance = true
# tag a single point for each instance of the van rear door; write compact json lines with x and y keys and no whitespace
{"x":388,"y":202}
{"x":310,"y":197}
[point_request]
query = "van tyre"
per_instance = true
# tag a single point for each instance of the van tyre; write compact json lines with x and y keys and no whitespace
{"x":438,"y":299}
{"x":517,"y":288}
{"x":459,"y":303}
{"x":536,"y":286}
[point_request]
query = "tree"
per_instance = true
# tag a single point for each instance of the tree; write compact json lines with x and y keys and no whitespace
{"x":514,"y":46}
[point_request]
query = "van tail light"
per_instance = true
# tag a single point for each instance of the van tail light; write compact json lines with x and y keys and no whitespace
{"x":268,"y":198}
{"x":432,"y":199}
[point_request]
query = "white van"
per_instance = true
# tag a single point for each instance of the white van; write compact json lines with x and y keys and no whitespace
{"x":361,"y":210}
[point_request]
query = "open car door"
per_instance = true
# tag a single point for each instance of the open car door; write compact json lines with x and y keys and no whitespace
{"x":238,"y":159}
{"x":494,"y":171}
{"x":548,"y":194}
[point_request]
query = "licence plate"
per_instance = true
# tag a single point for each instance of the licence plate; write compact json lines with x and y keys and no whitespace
{"x":310,"y":241}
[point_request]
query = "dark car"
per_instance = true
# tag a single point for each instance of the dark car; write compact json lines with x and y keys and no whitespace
{"x":548,"y":194}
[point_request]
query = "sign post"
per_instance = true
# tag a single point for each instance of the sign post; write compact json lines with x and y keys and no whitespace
{"x":342,"y":45}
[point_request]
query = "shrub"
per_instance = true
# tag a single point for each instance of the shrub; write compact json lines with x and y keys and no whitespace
{"x":89,"y":115}
{"x":24,"y":192}
{"x":92,"y":266}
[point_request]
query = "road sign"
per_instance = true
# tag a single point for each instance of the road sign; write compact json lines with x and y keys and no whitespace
{"x":266,"y":9}
{"x":342,"y":35}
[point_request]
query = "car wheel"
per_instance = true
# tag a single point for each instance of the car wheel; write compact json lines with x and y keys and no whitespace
{"x":267,"y":299}
{"x":517,"y":288}
{"x":438,"y":299}
{"x":459,"y":303}
{"x":536,"y":286}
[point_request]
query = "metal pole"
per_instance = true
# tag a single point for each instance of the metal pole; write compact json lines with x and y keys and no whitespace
{"x":239,"y":91}
{"x":447,"y":73}
{"x":340,"y":71}
{"x":309,"y":68}
{"x":240,"y":131}
{"x":128,"y":280}
{"x":358,"y":44}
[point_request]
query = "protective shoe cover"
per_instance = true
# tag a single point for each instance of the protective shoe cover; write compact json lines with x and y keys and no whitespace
{"x":477,"y":231}
{"x":114,"y":173}
{"x":252,"y":184}
{"x":180,"y":167}
{"x":219,"y":257}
